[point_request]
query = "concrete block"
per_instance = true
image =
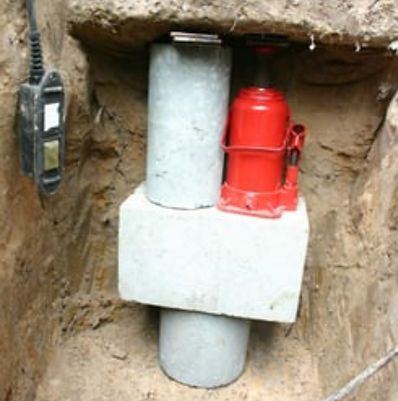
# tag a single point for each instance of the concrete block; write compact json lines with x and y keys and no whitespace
{"x":210,"y":261}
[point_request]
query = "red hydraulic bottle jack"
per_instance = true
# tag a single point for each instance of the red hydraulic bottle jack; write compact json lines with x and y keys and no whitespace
{"x":264,"y":149}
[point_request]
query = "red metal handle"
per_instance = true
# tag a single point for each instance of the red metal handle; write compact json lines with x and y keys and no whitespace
{"x":296,"y":143}
{"x":228,"y":148}
{"x":296,"y":136}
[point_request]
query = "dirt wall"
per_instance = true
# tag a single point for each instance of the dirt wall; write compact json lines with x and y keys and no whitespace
{"x":42,"y":240}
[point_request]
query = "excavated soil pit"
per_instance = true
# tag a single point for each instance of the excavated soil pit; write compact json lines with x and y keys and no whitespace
{"x":337,"y":95}
{"x":65,"y":335}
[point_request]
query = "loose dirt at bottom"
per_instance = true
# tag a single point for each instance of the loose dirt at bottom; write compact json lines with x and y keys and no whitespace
{"x":118,"y":361}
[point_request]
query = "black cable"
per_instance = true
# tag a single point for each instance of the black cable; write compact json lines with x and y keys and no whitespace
{"x":36,"y":63}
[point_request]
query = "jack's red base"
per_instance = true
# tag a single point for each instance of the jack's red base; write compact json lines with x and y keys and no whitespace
{"x":259,"y":204}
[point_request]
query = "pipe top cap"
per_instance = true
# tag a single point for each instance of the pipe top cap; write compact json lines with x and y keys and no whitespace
{"x":195,"y":38}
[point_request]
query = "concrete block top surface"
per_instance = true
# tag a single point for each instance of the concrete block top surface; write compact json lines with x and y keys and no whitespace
{"x":211,"y":261}
{"x":128,"y":23}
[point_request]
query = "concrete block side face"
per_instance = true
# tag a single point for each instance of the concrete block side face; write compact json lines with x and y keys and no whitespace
{"x":211,"y":261}
{"x":126,"y":273}
{"x":202,"y":350}
{"x":188,"y":101}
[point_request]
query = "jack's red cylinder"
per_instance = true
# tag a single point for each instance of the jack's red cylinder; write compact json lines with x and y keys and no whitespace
{"x":258,"y":131}
{"x":263,"y":155}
